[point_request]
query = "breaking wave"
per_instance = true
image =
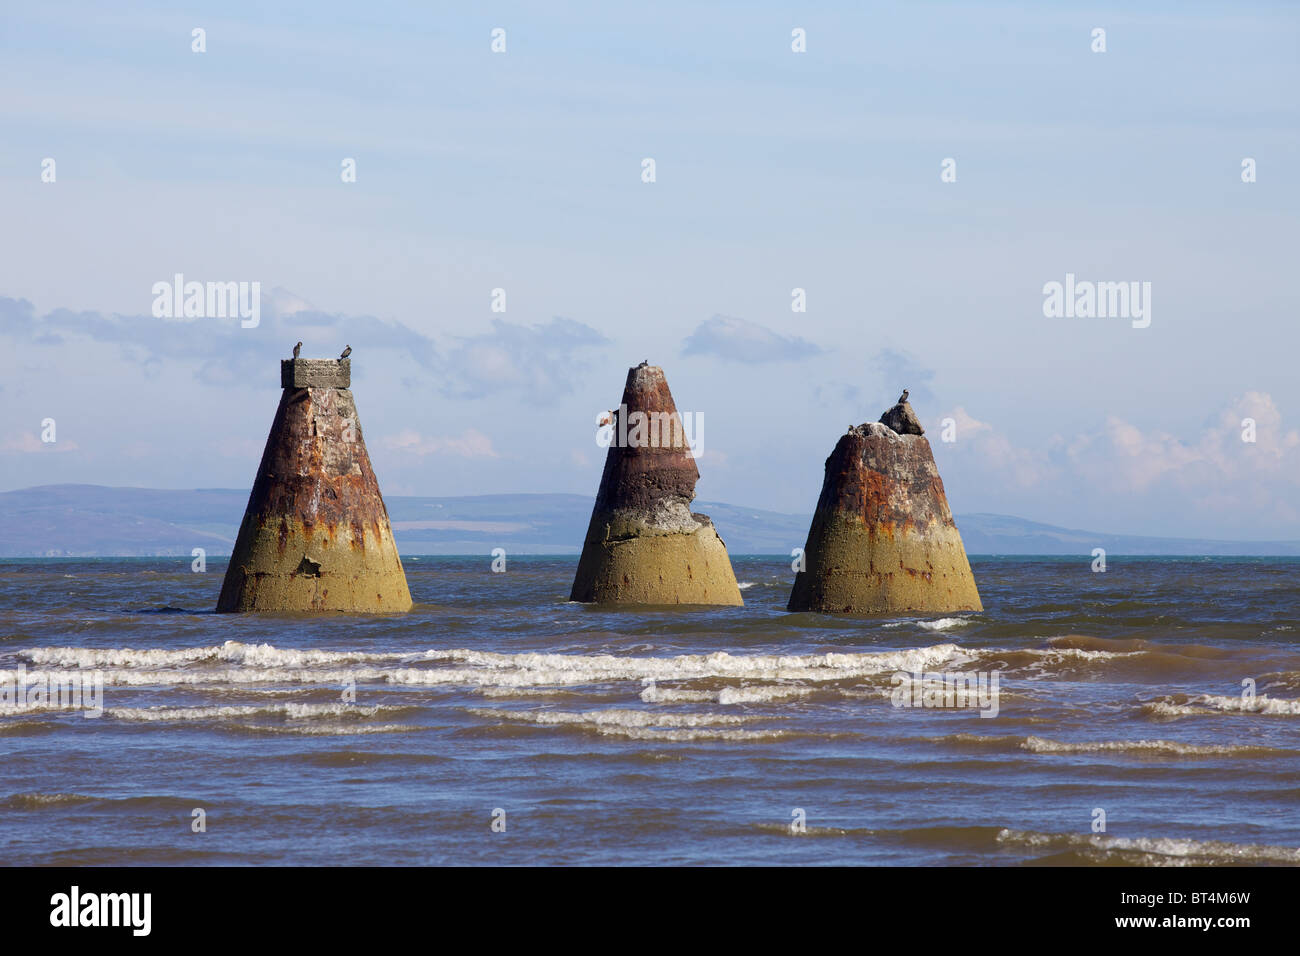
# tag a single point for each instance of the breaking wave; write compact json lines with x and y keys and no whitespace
{"x":233,"y":652}
{"x":1182,"y":705}
{"x":291,"y":711}
{"x":634,"y":724}
{"x":327,"y":730}
{"x":36,"y":801}
{"x":757,"y":694}
{"x":1069,"y":848}
{"x":1155,"y":748}
{"x":1150,"y":851}
{"x":944,"y":623}
{"x":262,"y":664}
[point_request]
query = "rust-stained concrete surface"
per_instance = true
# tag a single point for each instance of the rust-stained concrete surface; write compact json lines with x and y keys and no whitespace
{"x":644,"y":545}
{"x":316,"y":373}
{"x":315,"y":535}
{"x":882,"y":539}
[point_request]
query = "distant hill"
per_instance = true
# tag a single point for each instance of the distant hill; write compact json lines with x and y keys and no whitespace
{"x":1002,"y":534}
{"x":92,"y":520}
{"x":87,"y":520}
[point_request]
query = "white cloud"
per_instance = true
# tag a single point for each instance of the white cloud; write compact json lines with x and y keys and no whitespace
{"x":541,"y":360}
{"x":1123,"y":455}
{"x":1020,"y":466}
{"x":26,"y":443}
{"x":966,"y":423}
{"x":281,"y":302}
{"x":742,"y":341}
{"x":471,"y":444}
{"x":1213,"y":472}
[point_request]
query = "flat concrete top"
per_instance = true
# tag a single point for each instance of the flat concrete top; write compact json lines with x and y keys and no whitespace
{"x":316,"y":373}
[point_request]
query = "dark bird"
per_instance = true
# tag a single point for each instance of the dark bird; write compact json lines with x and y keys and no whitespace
{"x":346,"y":352}
{"x":902,"y":398}
{"x":297,"y":350}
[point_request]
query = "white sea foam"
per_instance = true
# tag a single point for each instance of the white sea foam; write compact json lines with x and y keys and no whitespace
{"x":131,"y":677}
{"x":653,"y":694}
{"x":38,"y":707}
{"x":1080,"y":653}
{"x":1271,"y":706}
{"x":1056,"y":655}
{"x":1156,"y":747}
{"x":746,"y":585}
{"x":33,"y":800}
{"x":654,"y":733}
{"x":329,"y":730}
{"x":1046,"y":663}
{"x":290,"y":710}
{"x":1205,"y":704}
{"x":944,"y":623}
{"x":612,"y":717}
{"x":756,"y":694}
{"x":263,"y":664}
{"x":1156,"y":850}
{"x":233,"y":652}
{"x":565,"y":669}
{"x":760,"y":694}
{"x":634,"y":724}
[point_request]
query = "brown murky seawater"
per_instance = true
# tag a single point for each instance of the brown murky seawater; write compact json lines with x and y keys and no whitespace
{"x":664,"y":736}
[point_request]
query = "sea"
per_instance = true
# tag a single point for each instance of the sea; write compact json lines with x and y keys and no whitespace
{"x":1144,"y":715}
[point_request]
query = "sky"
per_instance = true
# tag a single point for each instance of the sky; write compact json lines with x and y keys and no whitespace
{"x":774,"y":170}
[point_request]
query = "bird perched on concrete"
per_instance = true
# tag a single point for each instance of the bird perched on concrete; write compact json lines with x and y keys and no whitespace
{"x":346,"y":352}
{"x":297,"y":350}
{"x":902,"y":398}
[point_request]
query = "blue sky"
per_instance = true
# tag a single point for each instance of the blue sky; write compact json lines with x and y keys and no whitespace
{"x":774,"y":170}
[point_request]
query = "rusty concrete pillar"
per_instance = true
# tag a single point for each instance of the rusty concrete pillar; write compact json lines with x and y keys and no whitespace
{"x":882,"y":540}
{"x":644,"y":545}
{"x":315,"y":535}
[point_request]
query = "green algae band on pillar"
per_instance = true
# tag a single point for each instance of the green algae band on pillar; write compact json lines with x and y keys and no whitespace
{"x":644,"y":545}
{"x":315,"y":535}
{"x":882,"y":539}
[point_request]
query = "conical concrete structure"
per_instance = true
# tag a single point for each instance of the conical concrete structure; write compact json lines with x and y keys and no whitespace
{"x":882,"y":539}
{"x":644,"y":545}
{"x":315,"y":535}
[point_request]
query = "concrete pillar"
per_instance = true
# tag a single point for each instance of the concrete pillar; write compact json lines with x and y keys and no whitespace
{"x":315,"y":535}
{"x":644,"y":545}
{"x":882,"y":539}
